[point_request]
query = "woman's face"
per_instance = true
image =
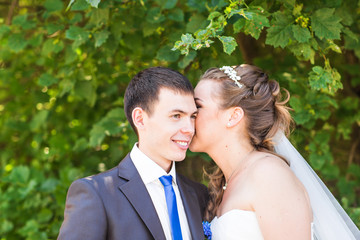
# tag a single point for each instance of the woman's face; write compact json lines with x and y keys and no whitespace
{"x":210,"y":121}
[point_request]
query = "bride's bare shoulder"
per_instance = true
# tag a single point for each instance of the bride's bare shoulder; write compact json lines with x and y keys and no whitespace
{"x":270,"y":171}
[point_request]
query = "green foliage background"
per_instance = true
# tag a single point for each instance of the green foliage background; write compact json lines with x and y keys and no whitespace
{"x":64,"y":66}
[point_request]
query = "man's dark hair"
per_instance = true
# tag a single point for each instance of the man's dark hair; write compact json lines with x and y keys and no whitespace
{"x":144,"y":88}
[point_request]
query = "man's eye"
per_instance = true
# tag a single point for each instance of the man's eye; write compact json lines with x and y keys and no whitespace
{"x":176,"y":116}
{"x":198,"y":106}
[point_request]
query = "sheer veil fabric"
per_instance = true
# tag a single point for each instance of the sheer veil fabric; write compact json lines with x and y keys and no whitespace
{"x":330,"y":220}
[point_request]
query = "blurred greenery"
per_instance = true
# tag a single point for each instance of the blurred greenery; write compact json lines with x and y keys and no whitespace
{"x":64,"y":67}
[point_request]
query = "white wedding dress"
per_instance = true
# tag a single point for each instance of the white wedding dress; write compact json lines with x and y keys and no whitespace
{"x":330,"y":221}
{"x":237,"y":225}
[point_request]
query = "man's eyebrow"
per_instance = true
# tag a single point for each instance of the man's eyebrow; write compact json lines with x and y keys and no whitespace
{"x":198,"y":99}
{"x":177,"y":110}
{"x":182,"y":111}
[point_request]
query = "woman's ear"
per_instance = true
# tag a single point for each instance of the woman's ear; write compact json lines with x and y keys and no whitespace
{"x":236,"y":115}
{"x":138,"y":115}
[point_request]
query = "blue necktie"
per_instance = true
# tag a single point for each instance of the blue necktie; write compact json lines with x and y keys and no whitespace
{"x":172,"y":207}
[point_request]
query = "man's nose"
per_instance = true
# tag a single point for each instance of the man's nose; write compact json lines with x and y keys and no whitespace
{"x":189,"y":126}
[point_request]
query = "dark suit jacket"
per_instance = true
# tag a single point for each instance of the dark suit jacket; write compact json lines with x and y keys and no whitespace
{"x":116,"y":205}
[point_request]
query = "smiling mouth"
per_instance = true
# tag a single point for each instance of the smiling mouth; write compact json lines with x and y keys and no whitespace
{"x":183,"y":144}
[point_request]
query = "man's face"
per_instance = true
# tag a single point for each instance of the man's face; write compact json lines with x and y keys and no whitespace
{"x":168,"y":131}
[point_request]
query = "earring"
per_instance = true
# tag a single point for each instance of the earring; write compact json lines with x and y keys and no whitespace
{"x":228,"y":124}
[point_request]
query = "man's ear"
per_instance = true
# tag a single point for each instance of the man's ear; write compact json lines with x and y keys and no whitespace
{"x":236,"y":115}
{"x":138,"y":115}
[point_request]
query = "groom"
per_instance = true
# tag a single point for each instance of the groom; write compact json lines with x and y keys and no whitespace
{"x":143,"y":197}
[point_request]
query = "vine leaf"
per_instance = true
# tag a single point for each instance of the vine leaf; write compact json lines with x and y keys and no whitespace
{"x":281,"y":31}
{"x":229,"y":44}
{"x":302,"y":35}
{"x":326,"y":24}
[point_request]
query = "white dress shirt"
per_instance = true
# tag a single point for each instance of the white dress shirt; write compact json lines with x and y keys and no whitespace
{"x":150,"y":172}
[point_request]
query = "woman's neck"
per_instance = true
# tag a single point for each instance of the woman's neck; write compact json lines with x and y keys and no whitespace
{"x":229,"y":155}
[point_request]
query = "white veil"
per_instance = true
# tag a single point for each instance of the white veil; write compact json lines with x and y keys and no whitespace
{"x":330,"y":220}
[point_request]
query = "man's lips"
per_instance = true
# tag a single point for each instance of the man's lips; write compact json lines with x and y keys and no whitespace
{"x":183,"y":144}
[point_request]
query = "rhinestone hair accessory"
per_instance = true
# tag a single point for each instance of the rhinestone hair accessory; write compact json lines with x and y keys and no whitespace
{"x":232,"y":75}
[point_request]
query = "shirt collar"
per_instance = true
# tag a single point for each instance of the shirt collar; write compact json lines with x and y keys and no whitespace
{"x":148,"y":169}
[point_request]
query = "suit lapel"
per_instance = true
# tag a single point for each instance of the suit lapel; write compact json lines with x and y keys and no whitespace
{"x":138,"y":196}
{"x":192,"y":209}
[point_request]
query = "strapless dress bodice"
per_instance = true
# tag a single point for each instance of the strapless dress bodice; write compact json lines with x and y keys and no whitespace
{"x":237,"y":224}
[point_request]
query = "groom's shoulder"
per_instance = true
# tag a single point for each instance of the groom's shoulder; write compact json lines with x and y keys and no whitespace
{"x":104,"y":176}
{"x":97,"y":180}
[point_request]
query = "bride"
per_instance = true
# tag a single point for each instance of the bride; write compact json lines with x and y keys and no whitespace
{"x":256,"y":193}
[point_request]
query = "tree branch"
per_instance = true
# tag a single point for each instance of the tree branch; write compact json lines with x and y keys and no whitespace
{"x":240,"y":39}
{"x":352,"y":155}
{"x":11,"y":12}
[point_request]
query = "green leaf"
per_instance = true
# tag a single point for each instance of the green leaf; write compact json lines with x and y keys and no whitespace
{"x":333,"y":46}
{"x":177,"y":15}
{"x":44,"y":215}
{"x":165,"y":54}
{"x":97,"y":135}
{"x":20,"y":174}
{"x":93,"y":3}
{"x":297,"y":9}
{"x":17,"y":42}
{"x":47,"y":80}
{"x":255,"y":25}
{"x":4,"y":29}
{"x":302,"y":35}
{"x":6,"y":226}
{"x":79,"y":5}
{"x":303,"y":51}
{"x":111,"y":124}
{"x":288,"y":3}
{"x":85,"y":90}
{"x":187,"y":40}
{"x":351,"y":34}
{"x":214,"y":15}
{"x":31,"y":227}
{"x":51,"y":45}
{"x":99,"y":16}
{"x":197,"y":21}
{"x":52,"y":28}
{"x":39,"y":119}
{"x":154,"y":15}
{"x":101,"y":37}
{"x":170,"y":4}
{"x":326,"y":24}
{"x":239,"y":24}
{"x":70,"y":56}
{"x":49,"y":185}
{"x":148,"y":29}
{"x":281,"y":31}
{"x":76,"y":18}
{"x":77,"y":34}
{"x":80,"y":145}
{"x":36,"y":40}
{"x":319,"y":78}
{"x":53,"y":5}
{"x":301,"y":115}
{"x":229,"y":44}
{"x":19,"y":20}
{"x":328,"y":79}
{"x":183,"y":63}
